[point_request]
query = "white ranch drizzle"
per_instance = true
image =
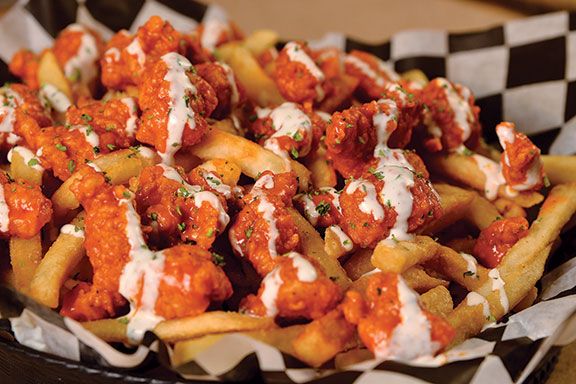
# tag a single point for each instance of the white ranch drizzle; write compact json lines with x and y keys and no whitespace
{"x":492,"y":173}
{"x":135,"y":49}
{"x":112,"y":55}
{"x":94,"y":166}
{"x":4,"y":212}
{"x":267,"y":210}
{"x":132,"y":115}
{"x":9,"y":101}
{"x":84,"y":61}
{"x":412,"y":337}
{"x":55,"y":98}
{"x":72,"y":230}
{"x":179,"y":113}
{"x":471,"y":263}
{"x":27,"y":156}
{"x":345,"y":241}
{"x":89,"y":134}
{"x":298,"y":55}
{"x":309,"y":207}
{"x":365,"y":69}
{"x":234,"y":96}
{"x":213,"y":29}
{"x":463,"y":115}
{"x":473,"y":299}
{"x":305,"y":273}
{"x":287,"y":120}
{"x":217,"y":184}
{"x":498,"y":285}
{"x":370,"y":204}
{"x":143,"y":265}
{"x":506,"y":136}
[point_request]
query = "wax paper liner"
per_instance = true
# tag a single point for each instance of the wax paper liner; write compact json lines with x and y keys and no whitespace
{"x":523,"y":71}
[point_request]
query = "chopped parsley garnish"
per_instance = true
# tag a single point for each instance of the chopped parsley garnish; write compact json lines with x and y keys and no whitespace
{"x":86,"y":117}
{"x":298,"y":136}
{"x":183,"y":192}
{"x":126,"y":194}
{"x":323,"y":208}
{"x":218,"y":259}
{"x":181,"y":227}
{"x":468,"y":273}
{"x":153,"y":216}
{"x":111,"y":146}
{"x":467,"y":152}
{"x":546,"y":181}
{"x":377,"y":174}
{"x":61,"y":147}
{"x":361,"y":140}
{"x":394,"y":239}
{"x":71,"y":166}
{"x":210,"y":232}
{"x":294,"y":153}
{"x":213,"y":180}
{"x":96,"y":149}
{"x":346,"y":242}
{"x":248,"y":232}
{"x":32,"y":162}
{"x":123,"y":320}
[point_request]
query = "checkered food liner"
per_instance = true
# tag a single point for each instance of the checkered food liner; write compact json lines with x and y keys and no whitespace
{"x":523,"y":71}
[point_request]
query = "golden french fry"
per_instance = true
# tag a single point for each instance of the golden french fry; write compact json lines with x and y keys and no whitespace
{"x":416,"y":76}
{"x":455,"y":201}
{"x":508,"y":208}
{"x":21,"y":170}
{"x":260,"y":41}
{"x":321,"y":173}
{"x":465,"y":170}
{"x":324,"y":338}
{"x":560,"y":169}
{"x":359,"y":263}
{"x":110,"y":330}
{"x":438,"y":301}
{"x":313,"y":247}
{"x":462,"y":245}
{"x":249,"y":156}
{"x":186,"y":351}
{"x":332,"y":244}
{"x":401,"y":255}
{"x":280,"y":338}
{"x":259,"y":87}
{"x":527,"y":301}
{"x":49,"y":72}
{"x":351,"y":357}
{"x":119,"y":166}
{"x":209,"y":323}
{"x":25,"y":255}
{"x":226,"y":170}
{"x":420,"y":281}
{"x":57,"y":265}
{"x":457,"y":268}
{"x":481,"y":213}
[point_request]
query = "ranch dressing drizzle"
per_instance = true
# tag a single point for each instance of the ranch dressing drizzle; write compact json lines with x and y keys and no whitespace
{"x":217,"y":184}
{"x":459,"y":104}
{"x":473,"y":299}
{"x":267,"y":209}
{"x":345,"y":241}
{"x":27,"y":156}
{"x":365,"y":69}
{"x":144,"y":270}
{"x":4,"y":212}
{"x":309,"y":208}
{"x":132,"y":115}
{"x":287,"y":120}
{"x":89,"y":134}
{"x":298,"y":55}
{"x":55,"y":98}
{"x":370,"y":204}
{"x":112,"y":55}
{"x":135,"y":49}
{"x":72,"y":230}
{"x":305,"y":272}
{"x":498,"y":285}
{"x":471,"y":263}
{"x":492,"y":173}
{"x":9,"y":101}
{"x":213,"y":29}
{"x":179,"y":113}
{"x":412,"y":337}
{"x":84,"y":62}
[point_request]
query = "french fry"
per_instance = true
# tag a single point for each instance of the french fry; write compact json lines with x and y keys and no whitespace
{"x":321,"y":173}
{"x":508,"y":208}
{"x":527,"y":301}
{"x":119,"y":166}
{"x":416,"y":76}
{"x":57,"y":265}
{"x":402,"y":255}
{"x":359,"y":263}
{"x":354,"y":356}
{"x":451,"y":264}
{"x":464,"y":169}
{"x":313,"y":247}
{"x":332,"y":245}
{"x":560,"y":169}
{"x":420,"y":281}
{"x":210,"y":323}
{"x":186,"y":351}
{"x":259,"y":87}
{"x":49,"y":72}
{"x":25,"y":254}
{"x":260,"y":41}
{"x":455,"y":201}
{"x":438,"y":301}
{"x":481,"y":213}
{"x":226,"y":170}
{"x":281,"y":338}
{"x":249,"y":156}
{"x":324,"y":338}
{"x":110,"y":330}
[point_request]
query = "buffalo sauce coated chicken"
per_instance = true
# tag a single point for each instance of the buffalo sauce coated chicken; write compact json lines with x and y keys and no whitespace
{"x":173,"y":210}
{"x":23,"y":208}
{"x":288,"y":130}
{"x":176,"y":282}
{"x":391,"y":321}
{"x":24,"y":64}
{"x":174,"y":101}
{"x":265,"y":233}
{"x":19,"y":106}
{"x":450,"y":116}
{"x":372,"y":73}
{"x":496,"y":239}
{"x":127,"y":57}
{"x":228,"y":92}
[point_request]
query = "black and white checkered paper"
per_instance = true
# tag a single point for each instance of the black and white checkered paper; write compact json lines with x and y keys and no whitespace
{"x":523,"y":71}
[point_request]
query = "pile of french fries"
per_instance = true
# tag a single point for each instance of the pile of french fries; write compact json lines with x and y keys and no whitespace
{"x":46,"y":265}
